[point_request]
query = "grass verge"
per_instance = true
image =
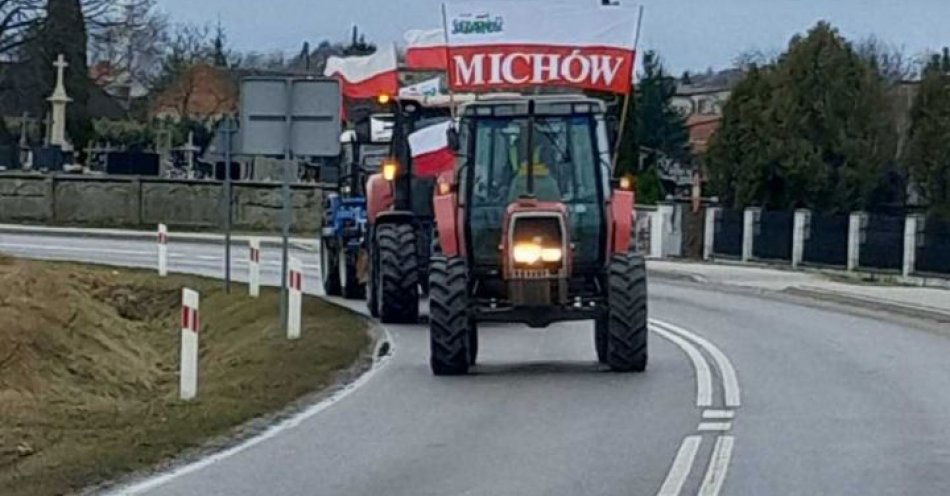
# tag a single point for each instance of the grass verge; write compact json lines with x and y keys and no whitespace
{"x":89,"y":369}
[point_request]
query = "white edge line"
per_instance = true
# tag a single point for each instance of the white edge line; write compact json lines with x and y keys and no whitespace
{"x":718,"y":467}
{"x":714,"y":426}
{"x":703,"y":373}
{"x":682,"y":466}
{"x":730,"y":381}
{"x":272,"y":431}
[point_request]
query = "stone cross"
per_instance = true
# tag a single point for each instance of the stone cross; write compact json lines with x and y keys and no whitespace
{"x":58,"y":101}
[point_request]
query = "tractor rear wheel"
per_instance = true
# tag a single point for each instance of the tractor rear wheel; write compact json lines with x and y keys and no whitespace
{"x":350,"y":283}
{"x":397,"y":283}
{"x":371,"y":292}
{"x":329,"y":268}
{"x":452,"y":333}
{"x":624,"y":331}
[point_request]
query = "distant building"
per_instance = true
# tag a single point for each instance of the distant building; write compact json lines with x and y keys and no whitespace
{"x":700,"y":100}
{"x":117,"y":82}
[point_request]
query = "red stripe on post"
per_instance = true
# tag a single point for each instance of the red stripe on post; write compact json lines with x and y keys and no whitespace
{"x":185,"y":314}
{"x":196,"y":321}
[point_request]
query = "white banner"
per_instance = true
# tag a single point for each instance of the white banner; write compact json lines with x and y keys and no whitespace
{"x":429,"y":87}
{"x":505,"y":44}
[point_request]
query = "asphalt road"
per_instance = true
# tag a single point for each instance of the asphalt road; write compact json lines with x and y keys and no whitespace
{"x":744,"y":395}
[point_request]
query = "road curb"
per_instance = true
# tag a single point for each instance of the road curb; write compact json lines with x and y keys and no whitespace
{"x":913,"y":311}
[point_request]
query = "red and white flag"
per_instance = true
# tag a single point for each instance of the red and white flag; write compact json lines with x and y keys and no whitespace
{"x":431,"y":154}
{"x":503,"y":44}
{"x":367,"y":76}
{"x":425,"y":49}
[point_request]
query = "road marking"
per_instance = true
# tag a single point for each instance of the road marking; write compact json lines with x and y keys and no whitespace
{"x":718,"y":467}
{"x":730,"y":381}
{"x":714,"y":426}
{"x":682,"y":466}
{"x":719,"y":414}
{"x":703,"y":374}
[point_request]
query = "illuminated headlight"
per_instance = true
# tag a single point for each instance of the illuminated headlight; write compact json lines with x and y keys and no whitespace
{"x":345,"y":190}
{"x":527,"y":253}
{"x":532,"y":253}
{"x":389,"y":171}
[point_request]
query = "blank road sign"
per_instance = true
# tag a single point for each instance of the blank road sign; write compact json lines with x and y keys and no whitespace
{"x":312,"y":105}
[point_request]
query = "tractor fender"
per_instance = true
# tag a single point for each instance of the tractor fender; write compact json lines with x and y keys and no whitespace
{"x":446,"y":208}
{"x":379,"y":196}
{"x":621,"y":214}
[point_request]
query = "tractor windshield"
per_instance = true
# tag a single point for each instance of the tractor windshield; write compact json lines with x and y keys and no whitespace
{"x":565,"y":169}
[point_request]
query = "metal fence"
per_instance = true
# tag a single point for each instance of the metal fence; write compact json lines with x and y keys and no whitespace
{"x":728,"y":237}
{"x":773,"y":236}
{"x":933,"y":250}
{"x":826,"y":243}
{"x":882,"y":243}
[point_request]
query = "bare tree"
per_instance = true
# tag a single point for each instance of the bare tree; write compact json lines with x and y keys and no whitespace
{"x":132,"y":43}
{"x":17,"y":20}
{"x":891,"y":61}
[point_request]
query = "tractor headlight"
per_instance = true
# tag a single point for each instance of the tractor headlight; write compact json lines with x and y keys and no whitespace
{"x":551,"y":255}
{"x":528,"y":253}
{"x":346,"y":190}
{"x":389,"y":170}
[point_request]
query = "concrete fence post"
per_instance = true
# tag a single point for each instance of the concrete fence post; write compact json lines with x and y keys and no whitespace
{"x":162,"y":250}
{"x":294,"y":298}
{"x":800,"y":233}
{"x":749,"y":221}
{"x":856,"y":224}
{"x":910,"y":244}
{"x":657,"y":230}
{"x":190,"y":328}
{"x":709,"y":233}
{"x":254,"y":268}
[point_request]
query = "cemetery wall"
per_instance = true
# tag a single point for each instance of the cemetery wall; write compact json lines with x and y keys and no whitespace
{"x":111,"y":201}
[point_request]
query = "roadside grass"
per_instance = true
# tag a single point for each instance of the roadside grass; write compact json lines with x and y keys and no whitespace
{"x":89,"y":369}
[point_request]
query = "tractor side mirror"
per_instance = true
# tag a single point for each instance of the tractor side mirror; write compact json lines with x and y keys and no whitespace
{"x":613,"y":130}
{"x":452,"y":136}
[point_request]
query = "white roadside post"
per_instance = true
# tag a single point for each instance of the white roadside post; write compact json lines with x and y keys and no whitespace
{"x":162,"y":250}
{"x":800,"y":234}
{"x":856,"y":223}
{"x":190,"y":327}
{"x":709,"y":236}
{"x":749,"y":219}
{"x":254,"y":268}
{"x":656,"y":233}
{"x":294,"y":298}
{"x":910,"y":244}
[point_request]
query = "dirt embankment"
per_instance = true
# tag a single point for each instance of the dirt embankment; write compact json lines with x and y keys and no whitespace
{"x":89,"y":363}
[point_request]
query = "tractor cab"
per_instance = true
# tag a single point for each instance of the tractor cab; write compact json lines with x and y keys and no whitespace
{"x":530,"y":230}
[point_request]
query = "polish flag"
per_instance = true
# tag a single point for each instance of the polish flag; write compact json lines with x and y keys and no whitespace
{"x":368,"y":76}
{"x":426,"y":49}
{"x":430,"y":150}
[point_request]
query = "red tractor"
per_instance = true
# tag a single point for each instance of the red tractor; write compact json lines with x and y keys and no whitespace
{"x":532,"y":228}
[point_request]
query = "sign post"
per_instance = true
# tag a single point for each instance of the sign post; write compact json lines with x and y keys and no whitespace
{"x":190,"y":327}
{"x":254,"y":268}
{"x":295,"y":299}
{"x":227,"y":130}
{"x":162,"y":250}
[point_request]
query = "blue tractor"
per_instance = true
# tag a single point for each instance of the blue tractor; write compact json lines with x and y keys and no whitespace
{"x":343,"y":261}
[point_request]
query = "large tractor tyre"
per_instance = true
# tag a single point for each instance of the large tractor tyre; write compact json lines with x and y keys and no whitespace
{"x":350,"y":283}
{"x":624,"y":331}
{"x":329,"y":268}
{"x":397,"y":283}
{"x":452,"y":333}
{"x":371,"y":293}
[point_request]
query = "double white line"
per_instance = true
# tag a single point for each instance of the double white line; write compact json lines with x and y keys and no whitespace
{"x":713,"y":420}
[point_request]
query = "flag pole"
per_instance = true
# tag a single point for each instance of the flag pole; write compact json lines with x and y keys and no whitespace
{"x":626,"y":99}
{"x":448,"y":65}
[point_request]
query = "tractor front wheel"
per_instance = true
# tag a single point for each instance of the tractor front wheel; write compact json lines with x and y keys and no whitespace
{"x":453,"y":336}
{"x":350,"y":283}
{"x":397,"y":283}
{"x":329,"y":268}
{"x":622,"y":335}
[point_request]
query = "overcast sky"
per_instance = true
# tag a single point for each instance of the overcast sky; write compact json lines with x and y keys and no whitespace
{"x":689,"y":34}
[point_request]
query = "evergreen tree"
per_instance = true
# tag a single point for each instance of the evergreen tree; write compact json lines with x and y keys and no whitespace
{"x":654,"y":129}
{"x":928,"y":149}
{"x":816,"y":132}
